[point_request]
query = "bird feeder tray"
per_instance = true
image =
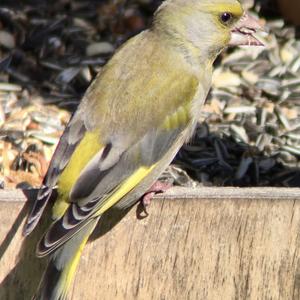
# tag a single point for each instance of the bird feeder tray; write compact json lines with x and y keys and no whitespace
{"x":204,"y":243}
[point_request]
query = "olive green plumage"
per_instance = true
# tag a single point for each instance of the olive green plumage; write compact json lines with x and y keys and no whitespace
{"x":134,"y":117}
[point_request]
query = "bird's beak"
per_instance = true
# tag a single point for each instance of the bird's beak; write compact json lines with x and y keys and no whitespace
{"x":242,"y":33}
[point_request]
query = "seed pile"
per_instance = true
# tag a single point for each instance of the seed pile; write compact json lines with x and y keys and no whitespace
{"x":253,"y":112}
{"x":29,"y":132}
{"x":250,"y":130}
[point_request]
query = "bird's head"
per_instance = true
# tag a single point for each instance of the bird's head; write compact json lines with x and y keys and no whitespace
{"x":206,"y":25}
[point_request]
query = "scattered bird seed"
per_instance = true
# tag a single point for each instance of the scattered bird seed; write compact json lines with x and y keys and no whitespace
{"x":249,"y":130}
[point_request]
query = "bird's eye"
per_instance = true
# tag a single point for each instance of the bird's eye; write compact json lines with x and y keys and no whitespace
{"x":226,"y":17}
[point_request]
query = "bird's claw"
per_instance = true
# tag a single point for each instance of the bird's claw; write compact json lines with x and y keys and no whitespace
{"x":156,"y":188}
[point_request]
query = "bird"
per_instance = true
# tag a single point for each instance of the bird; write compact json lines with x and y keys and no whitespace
{"x":134,"y":117}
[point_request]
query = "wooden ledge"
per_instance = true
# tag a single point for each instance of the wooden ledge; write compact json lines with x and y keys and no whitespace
{"x":235,"y":243}
{"x":180,"y":193}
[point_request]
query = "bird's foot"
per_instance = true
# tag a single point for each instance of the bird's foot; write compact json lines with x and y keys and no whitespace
{"x":157,"y":188}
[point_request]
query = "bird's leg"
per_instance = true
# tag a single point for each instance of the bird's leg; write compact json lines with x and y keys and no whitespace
{"x":156,"y":188}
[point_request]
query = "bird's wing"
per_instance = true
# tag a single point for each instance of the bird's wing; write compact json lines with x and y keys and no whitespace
{"x":68,"y":142}
{"x":108,"y":186}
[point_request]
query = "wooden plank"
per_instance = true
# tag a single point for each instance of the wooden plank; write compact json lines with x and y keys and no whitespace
{"x":208,"y":243}
{"x":182,"y":192}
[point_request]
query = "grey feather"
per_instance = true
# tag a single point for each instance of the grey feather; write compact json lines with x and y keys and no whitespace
{"x":64,"y":150}
{"x":94,"y":172}
{"x":52,"y":285}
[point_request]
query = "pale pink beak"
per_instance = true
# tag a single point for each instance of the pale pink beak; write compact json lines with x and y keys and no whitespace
{"x":242,"y":33}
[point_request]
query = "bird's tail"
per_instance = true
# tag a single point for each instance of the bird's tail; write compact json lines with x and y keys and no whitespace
{"x":62,"y":266}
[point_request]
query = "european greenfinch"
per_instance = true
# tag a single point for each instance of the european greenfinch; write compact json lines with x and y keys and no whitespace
{"x":140,"y":109}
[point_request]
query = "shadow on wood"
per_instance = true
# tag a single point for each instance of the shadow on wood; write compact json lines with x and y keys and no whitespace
{"x":17,"y":255}
{"x":26,"y":270}
{"x":209,"y":243}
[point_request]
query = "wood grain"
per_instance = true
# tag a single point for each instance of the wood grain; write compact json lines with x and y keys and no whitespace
{"x":208,"y":243}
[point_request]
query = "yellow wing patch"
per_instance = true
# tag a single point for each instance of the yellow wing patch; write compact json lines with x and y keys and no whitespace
{"x":87,"y":148}
{"x":129,"y":184}
{"x":178,"y":118}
